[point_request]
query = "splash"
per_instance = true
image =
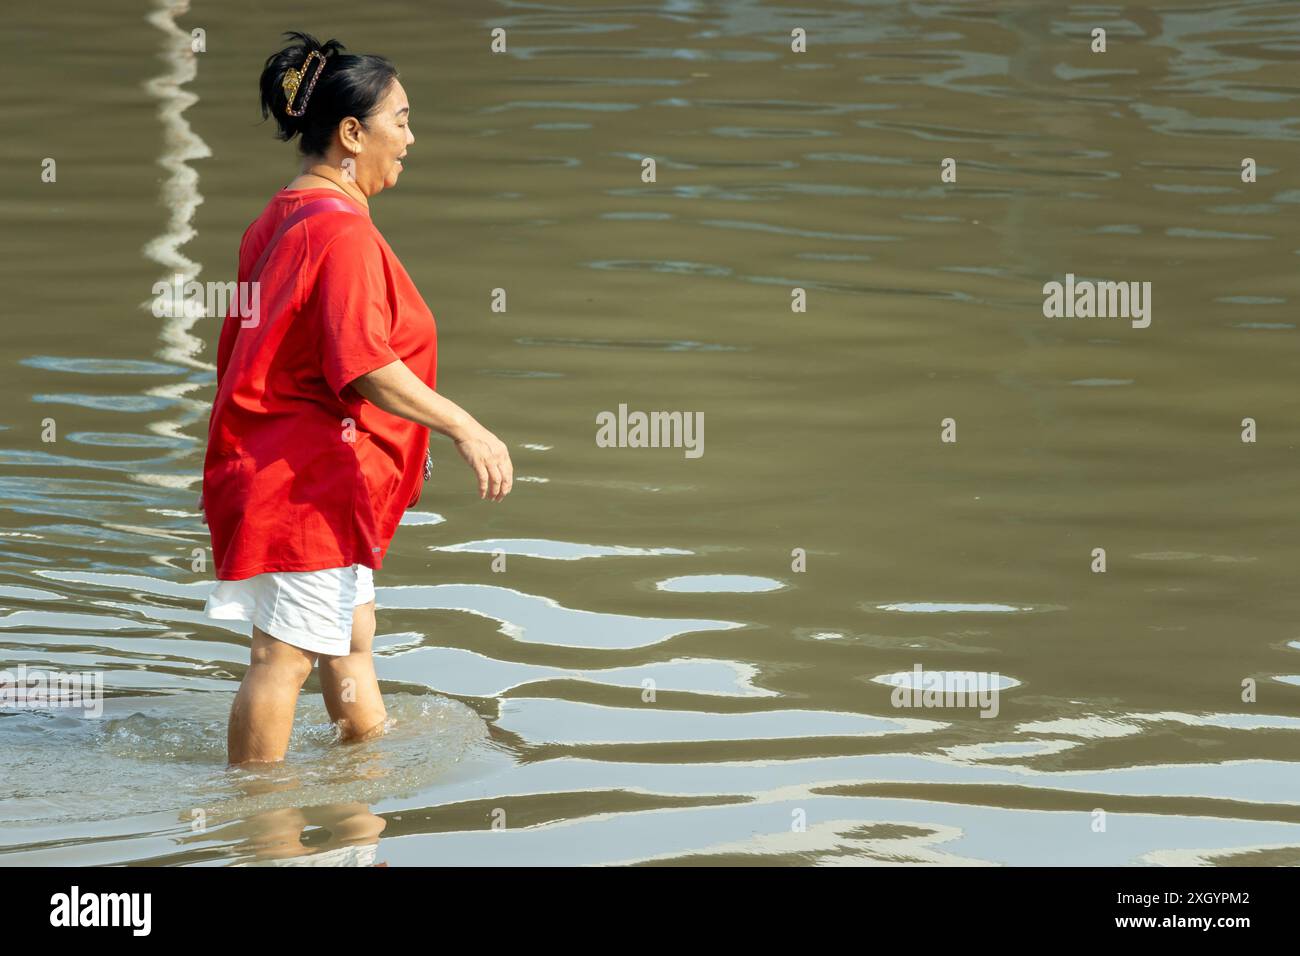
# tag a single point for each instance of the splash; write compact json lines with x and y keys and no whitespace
{"x":169,"y":755}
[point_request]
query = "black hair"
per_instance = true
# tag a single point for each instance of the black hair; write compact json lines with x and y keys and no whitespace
{"x":349,"y":85}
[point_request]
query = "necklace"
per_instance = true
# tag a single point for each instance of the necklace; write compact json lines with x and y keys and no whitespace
{"x":360,"y":198}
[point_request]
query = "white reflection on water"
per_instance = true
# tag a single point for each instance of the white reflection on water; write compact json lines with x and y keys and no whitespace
{"x":421,"y":518}
{"x":553,"y":550}
{"x":1124,"y":725}
{"x":452,"y":670}
{"x":931,"y":607}
{"x":949,"y":681}
{"x":540,"y":620}
{"x":719,"y":584}
{"x":552,"y":721}
{"x":774,"y":789}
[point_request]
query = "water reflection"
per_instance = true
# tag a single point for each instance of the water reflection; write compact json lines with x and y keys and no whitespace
{"x":620,"y":699}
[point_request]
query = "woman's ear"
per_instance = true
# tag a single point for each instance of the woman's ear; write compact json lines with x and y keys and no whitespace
{"x":350,"y":133}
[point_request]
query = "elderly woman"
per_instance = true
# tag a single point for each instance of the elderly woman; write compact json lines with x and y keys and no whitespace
{"x":319,"y":433}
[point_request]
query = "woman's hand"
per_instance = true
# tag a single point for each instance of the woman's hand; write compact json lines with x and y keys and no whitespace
{"x":201,"y":511}
{"x":398,"y":391}
{"x":490,"y":459}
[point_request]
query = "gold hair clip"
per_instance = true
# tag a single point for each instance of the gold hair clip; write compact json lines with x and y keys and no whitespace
{"x":293,"y":79}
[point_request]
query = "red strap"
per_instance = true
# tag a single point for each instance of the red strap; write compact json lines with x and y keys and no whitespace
{"x":328,"y":204}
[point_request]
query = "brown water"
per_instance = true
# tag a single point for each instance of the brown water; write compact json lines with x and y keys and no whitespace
{"x":650,"y":679}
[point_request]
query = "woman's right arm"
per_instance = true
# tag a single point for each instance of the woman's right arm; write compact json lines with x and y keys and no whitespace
{"x":399,"y":391}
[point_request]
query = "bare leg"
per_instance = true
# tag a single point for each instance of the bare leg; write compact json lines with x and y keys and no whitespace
{"x":275,"y":833}
{"x":261,"y":719}
{"x":349,"y":685}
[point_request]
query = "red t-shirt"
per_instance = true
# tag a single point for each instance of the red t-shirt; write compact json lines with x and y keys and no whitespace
{"x":301,"y":472}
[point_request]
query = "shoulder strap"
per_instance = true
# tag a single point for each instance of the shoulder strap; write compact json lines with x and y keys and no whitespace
{"x":328,"y":204}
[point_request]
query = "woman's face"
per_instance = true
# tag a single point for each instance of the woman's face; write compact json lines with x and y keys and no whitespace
{"x":383,"y":142}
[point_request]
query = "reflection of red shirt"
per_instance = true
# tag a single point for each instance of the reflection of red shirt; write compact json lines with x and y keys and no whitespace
{"x":301,"y":472}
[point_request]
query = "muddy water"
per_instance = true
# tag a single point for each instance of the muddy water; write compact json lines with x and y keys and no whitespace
{"x":690,"y":659}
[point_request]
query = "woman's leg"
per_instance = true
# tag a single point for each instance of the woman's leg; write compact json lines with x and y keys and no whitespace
{"x":349,"y":685}
{"x":261,"y":719}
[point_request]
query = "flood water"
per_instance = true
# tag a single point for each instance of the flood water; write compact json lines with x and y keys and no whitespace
{"x":693,"y":659}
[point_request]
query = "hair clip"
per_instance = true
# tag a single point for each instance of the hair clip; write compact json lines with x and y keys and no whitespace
{"x":293,"y":79}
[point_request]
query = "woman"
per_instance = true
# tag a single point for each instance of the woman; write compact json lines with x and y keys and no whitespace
{"x":318,"y":439}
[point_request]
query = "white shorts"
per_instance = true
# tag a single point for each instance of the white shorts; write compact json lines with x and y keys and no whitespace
{"x":351,"y":855}
{"x":308,"y":609}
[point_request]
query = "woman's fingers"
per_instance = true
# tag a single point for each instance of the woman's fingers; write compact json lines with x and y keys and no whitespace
{"x":494,"y":469}
{"x":507,"y":474}
{"x":502,"y":472}
{"x":490,"y":460}
{"x":470,"y":451}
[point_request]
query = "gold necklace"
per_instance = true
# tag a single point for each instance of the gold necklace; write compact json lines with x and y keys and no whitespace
{"x":329,"y":179}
